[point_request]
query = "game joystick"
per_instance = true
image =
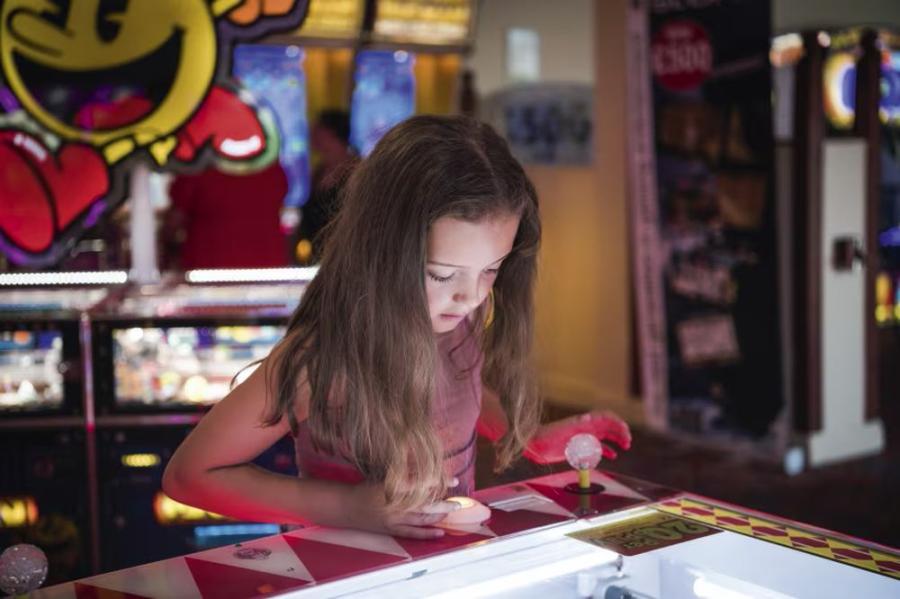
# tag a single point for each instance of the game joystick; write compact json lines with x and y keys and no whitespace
{"x":584,"y":452}
{"x":23,"y":568}
{"x":470,"y":512}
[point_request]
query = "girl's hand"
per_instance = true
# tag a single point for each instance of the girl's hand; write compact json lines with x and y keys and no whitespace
{"x":549,"y":444}
{"x":367,"y":511}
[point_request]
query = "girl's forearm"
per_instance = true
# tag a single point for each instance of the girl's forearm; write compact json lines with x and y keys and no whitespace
{"x":246,"y":492}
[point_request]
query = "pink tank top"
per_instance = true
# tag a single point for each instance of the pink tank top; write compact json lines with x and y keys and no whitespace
{"x":457,"y":404}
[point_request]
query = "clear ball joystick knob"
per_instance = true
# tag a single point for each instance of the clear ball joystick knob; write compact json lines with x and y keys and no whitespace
{"x":23,"y":568}
{"x":584,"y":452}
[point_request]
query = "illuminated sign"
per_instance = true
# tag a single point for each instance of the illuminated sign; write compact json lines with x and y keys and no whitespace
{"x":16,"y":512}
{"x":337,"y":19}
{"x":432,"y":22}
{"x":167,"y":512}
{"x":141,"y":460}
{"x":839,"y":73}
{"x":88,"y":86}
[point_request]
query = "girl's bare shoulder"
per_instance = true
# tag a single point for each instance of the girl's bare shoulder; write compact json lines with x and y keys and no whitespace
{"x":273,"y":366}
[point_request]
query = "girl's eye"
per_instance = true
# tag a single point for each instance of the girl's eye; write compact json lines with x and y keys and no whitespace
{"x":492,"y":272}
{"x":439,"y":279}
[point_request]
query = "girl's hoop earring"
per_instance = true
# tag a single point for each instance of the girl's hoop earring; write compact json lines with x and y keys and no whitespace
{"x":489,"y":312}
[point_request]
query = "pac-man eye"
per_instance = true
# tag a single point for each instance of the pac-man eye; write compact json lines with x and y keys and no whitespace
{"x":58,"y":14}
{"x":109,"y":18}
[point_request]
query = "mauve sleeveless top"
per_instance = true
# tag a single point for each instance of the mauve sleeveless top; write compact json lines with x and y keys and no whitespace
{"x":455,"y":410}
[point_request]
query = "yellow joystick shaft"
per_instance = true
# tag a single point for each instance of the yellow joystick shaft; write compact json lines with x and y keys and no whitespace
{"x":584,"y":479}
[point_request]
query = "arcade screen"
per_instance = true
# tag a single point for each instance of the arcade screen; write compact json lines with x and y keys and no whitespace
{"x":49,"y":300}
{"x":274,"y":74}
{"x":185,"y":366}
{"x":839,"y":89}
{"x":384,"y":95}
{"x":30,"y":373}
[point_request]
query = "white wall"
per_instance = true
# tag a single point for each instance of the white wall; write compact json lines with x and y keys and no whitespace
{"x":565,"y":28}
{"x":795,"y":15}
{"x":566,"y":31}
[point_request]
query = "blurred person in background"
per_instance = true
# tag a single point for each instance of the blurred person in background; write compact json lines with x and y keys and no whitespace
{"x":330,"y":139}
{"x":226,"y":220}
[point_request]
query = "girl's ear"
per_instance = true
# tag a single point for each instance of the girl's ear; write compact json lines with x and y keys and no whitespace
{"x":220,"y":7}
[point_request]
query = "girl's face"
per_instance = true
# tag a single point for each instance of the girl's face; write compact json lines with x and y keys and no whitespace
{"x":462,"y":263}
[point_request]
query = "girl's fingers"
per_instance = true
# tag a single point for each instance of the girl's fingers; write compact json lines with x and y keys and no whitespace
{"x":414,"y":532}
{"x":418,"y":519}
{"x":608,"y":452}
{"x":611,"y":428}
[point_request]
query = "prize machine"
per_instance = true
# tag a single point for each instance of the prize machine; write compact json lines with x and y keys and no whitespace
{"x":411,"y":64}
{"x":46,"y":468}
{"x":160,"y":360}
{"x":380,"y":61}
{"x":837,"y":97}
{"x":299,"y":74}
{"x":274,"y":74}
{"x":840,"y":85}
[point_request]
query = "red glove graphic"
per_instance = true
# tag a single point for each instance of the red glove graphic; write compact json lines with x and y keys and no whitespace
{"x":41,"y":193}
{"x":226,"y":123}
{"x":549,"y":445}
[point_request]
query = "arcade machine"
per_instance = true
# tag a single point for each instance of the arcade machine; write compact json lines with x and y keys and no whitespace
{"x":274,"y":74}
{"x":44,"y":434}
{"x":161,"y":358}
{"x":410,"y":65}
{"x":383,"y":95}
{"x":840,"y":90}
{"x":836,"y":126}
{"x":602,"y":536}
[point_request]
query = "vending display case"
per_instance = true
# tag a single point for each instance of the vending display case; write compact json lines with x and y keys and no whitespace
{"x":45,"y":470}
{"x":178,"y":350}
{"x":41,"y":357}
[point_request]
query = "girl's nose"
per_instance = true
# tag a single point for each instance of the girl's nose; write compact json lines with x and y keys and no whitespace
{"x":470,"y":295}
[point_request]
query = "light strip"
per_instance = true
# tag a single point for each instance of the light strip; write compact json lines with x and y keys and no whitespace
{"x":107,"y":277}
{"x":247,"y":275}
{"x":704,"y":589}
{"x":141,"y":460}
{"x":227,"y":530}
{"x":522,"y":578}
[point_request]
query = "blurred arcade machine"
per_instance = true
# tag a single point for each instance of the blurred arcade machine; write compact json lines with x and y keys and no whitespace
{"x":380,"y":60}
{"x":383,"y":60}
{"x":837,"y":97}
{"x":411,"y":64}
{"x":161,"y":358}
{"x":45,"y":426}
{"x":275,"y":75}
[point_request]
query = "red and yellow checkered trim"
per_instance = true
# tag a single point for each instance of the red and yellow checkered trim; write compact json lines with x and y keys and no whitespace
{"x":874,"y":560}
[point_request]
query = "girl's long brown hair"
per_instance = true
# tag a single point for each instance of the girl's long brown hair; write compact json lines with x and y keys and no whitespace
{"x":362,"y":339}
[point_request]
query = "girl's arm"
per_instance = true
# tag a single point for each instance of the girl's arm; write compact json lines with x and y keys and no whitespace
{"x":212,"y":470}
{"x":548,"y":445}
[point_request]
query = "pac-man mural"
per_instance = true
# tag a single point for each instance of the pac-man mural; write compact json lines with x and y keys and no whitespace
{"x":88,"y":86}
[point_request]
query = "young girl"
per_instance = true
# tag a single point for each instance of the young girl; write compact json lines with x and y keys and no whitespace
{"x":415,"y":333}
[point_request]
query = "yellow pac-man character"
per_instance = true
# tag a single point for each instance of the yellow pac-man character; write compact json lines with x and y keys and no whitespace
{"x":99,"y":79}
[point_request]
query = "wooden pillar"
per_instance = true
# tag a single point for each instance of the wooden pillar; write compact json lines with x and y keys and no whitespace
{"x":808,"y":136}
{"x":867,"y":125}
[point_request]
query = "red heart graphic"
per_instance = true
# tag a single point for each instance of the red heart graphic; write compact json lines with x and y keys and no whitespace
{"x":35,"y":183}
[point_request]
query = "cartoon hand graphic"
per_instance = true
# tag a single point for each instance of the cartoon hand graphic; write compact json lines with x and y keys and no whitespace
{"x":227,"y":124}
{"x":42,"y":192}
{"x":252,"y":10}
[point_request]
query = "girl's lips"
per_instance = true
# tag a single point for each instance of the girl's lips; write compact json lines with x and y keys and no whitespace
{"x":451,"y":316}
